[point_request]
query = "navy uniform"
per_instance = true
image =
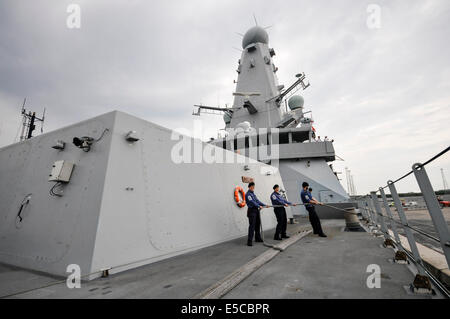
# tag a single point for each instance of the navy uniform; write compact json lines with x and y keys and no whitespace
{"x":313,"y":218}
{"x":280,"y":213}
{"x":254,"y":217}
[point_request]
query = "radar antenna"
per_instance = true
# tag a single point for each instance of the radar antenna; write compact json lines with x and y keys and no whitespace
{"x":300,"y":81}
{"x":198,"y":109}
{"x":254,"y":17}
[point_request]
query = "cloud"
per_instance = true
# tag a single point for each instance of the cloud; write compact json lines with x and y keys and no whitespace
{"x":382,"y":94}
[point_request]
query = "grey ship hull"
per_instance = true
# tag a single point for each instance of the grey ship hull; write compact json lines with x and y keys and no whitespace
{"x":126,"y":204}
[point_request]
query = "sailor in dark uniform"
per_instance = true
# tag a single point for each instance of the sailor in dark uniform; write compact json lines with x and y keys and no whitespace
{"x":308,"y":200}
{"x":253,"y":214}
{"x":278,"y":201}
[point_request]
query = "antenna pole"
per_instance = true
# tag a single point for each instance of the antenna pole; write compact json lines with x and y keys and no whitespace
{"x":42,"y":121}
{"x":24,"y":120}
{"x":23,"y":105}
{"x":31,"y":125}
{"x":28,"y":122}
{"x":444,"y":181}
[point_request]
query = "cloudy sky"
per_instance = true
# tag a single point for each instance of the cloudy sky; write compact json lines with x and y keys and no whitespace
{"x":382,"y":93}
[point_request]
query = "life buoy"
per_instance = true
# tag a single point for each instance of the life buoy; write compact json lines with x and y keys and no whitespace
{"x":239,"y":202}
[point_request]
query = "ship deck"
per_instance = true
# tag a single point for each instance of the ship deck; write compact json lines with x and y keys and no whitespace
{"x":313,"y":267}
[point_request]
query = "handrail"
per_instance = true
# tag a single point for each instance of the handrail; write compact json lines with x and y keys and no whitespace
{"x":443,"y":289}
{"x":421,"y":165}
{"x":371,"y":205}
{"x":418,"y":230}
{"x":410,"y":227}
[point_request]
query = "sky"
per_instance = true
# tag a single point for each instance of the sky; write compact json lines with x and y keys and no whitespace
{"x":380,"y":80}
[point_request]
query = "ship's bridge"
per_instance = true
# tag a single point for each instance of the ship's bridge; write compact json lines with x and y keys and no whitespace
{"x":292,"y":143}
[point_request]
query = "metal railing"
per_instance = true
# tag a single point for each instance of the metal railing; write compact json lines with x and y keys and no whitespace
{"x":372,"y":212}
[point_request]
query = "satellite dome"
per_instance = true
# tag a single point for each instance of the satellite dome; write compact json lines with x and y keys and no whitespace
{"x":296,"y":102}
{"x":244,"y":126}
{"x":255,"y":35}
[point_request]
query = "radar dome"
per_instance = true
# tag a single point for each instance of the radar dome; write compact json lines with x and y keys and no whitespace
{"x":245,"y":126}
{"x":255,"y":35}
{"x":296,"y":102}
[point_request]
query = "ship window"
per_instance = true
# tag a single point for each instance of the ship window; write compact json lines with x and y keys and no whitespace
{"x":299,"y":137}
{"x":284,"y":138}
{"x":247,"y":142}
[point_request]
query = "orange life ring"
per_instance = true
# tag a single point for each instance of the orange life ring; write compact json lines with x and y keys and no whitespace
{"x":239,"y":202}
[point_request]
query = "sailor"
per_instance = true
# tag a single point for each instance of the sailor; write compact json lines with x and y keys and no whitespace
{"x":253,"y":214}
{"x":279,"y":202}
{"x":309,"y":202}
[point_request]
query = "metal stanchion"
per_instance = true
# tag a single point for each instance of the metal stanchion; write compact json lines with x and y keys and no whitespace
{"x":421,"y":281}
{"x":364,"y":210}
{"x":403,"y":219}
{"x":389,"y":213}
{"x":433,"y":208}
{"x":372,"y":211}
{"x":371,"y":220}
{"x":379,"y":214}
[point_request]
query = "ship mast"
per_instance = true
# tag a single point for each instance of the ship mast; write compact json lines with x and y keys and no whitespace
{"x":29,"y":120}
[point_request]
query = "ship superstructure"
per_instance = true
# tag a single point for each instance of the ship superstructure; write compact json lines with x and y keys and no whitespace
{"x":267,"y":122}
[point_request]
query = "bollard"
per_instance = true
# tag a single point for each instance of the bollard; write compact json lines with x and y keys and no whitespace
{"x":352,"y":220}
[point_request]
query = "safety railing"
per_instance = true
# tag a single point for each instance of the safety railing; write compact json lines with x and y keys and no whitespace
{"x":384,"y":224}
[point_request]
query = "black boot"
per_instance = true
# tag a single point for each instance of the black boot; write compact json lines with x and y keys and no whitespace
{"x":322,"y":235}
{"x":259,"y":240}
{"x":249,"y":243}
{"x":277,"y":237}
{"x":285,"y":236}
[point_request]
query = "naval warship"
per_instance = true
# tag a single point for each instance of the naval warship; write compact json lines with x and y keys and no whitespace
{"x":88,"y":210}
